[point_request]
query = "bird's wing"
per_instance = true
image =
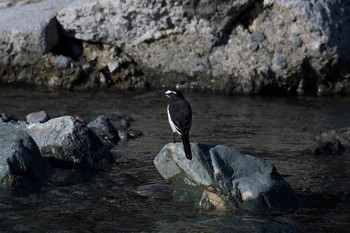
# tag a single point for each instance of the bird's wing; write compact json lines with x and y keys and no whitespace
{"x":181,"y":116}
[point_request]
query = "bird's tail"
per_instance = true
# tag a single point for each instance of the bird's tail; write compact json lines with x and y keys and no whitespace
{"x":187,"y":146}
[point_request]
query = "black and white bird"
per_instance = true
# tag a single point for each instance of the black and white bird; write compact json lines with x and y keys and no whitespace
{"x":180,"y":118}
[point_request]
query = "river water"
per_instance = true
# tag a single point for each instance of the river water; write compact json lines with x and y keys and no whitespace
{"x":130,"y":195}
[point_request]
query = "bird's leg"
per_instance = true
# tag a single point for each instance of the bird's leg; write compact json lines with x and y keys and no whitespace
{"x":174,"y":138}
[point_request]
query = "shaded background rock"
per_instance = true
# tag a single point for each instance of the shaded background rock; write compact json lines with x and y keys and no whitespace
{"x":220,"y":177}
{"x":21,"y":165}
{"x":113,"y":128}
{"x":104,"y":129}
{"x":24,"y":40}
{"x":66,"y":142}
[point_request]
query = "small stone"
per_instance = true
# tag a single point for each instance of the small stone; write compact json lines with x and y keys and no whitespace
{"x":37,"y":117}
{"x":135,"y":134}
{"x":281,"y":62}
{"x":112,"y":66}
{"x":257,"y":37}
{"x":86,"y":67}
{"x":247,"y":85}
{"x":102,"y":78}
{"x":104,"y":129}
{"x":63,"y":62}
{"x":296,"y":41}
{"x":254,"y":47}
{"x":228,"y":85}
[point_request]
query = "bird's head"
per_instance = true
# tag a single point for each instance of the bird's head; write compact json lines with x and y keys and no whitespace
{"x":174,"y":94}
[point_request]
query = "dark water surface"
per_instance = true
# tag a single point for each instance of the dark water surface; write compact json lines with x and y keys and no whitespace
{"x":130,"y":196}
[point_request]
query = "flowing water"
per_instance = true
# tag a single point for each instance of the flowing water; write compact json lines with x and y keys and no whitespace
{"x":130,"y":195}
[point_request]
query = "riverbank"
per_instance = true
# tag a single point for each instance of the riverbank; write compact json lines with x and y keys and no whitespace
{"x":264,"y":47}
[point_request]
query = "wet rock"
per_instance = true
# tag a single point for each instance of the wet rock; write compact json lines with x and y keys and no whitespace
{"x":104,"y":129}
{"x":124,"y":135}
{"x":21,"y":165}
{"x":37,"y":117}
{"x":66,"y":142}
{"x":4,"y":118}
{"x":221,"y":177}
{"x":12,"y":121}
{"x":334,"y":141}
{"x":133,"y":134}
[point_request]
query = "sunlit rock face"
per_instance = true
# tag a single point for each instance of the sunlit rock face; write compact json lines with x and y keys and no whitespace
{"x":223,"y":178}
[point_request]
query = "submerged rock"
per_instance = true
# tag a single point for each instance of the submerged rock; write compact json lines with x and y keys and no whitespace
{"x":21,"y":165}
{"x":334,"y":141}
{"x":66,"y":142}
{"x":221,"y":177}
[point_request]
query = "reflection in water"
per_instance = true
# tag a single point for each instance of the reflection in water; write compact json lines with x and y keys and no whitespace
{"x":130,"y":196}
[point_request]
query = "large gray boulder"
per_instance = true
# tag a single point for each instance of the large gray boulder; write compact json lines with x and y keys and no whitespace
{"x":221,"y":177}
{"x":65,"y":141}
{"x":28,"y":31}
{"x":21,"y":165}
{"x":240,"y":46}
{"x":132,"y":22}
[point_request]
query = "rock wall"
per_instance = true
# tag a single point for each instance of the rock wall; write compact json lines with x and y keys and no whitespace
{"x":271,"y":46}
